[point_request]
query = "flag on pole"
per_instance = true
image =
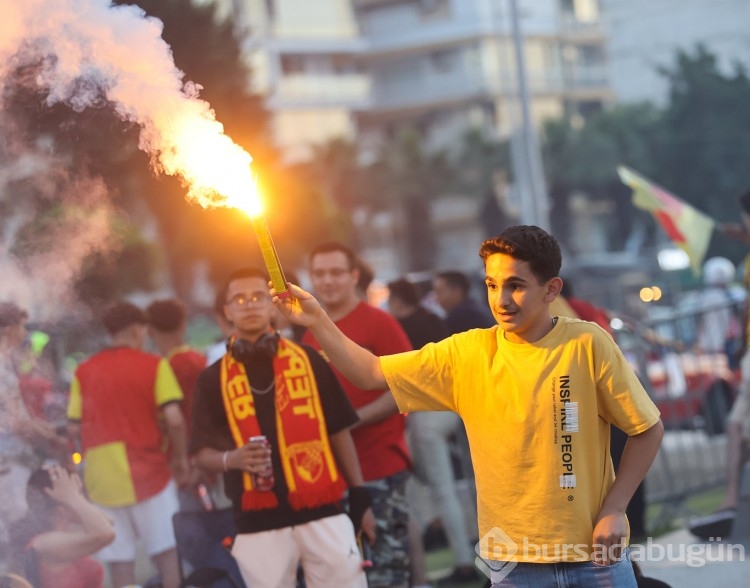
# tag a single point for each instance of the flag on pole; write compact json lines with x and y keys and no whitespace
{"x":687,"y":227}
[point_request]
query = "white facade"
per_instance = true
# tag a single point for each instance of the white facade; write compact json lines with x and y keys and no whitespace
{"x":363,"y":68}
{"x":442,"y":65}
{"x":645,"y":34}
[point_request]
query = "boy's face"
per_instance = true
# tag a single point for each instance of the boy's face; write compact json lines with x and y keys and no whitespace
{"x":519,"y":303}
{"x":248,"y":307}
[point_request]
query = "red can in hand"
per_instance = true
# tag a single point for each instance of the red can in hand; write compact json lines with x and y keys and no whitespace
{"x":263,"y":481}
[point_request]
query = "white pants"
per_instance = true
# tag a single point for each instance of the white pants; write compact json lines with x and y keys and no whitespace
{"x":326,"y":548}
{"x":149,"y":520}
{"x":428,"y":442}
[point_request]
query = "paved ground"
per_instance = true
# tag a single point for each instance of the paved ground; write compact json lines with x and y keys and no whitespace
{"x":683,"y":561}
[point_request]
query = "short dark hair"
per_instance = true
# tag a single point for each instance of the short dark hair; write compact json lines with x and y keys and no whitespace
{"x":11,"y":315}
{"x":744,"y":200}
{"x":333,"y":246}
{"x":122,"y":315}
{"x":238,"y":274}
{"x":455,"y":279}
{"x":405,"y":291}
{"x":527,"y":243}
{"x":366,"y":274}
{"x":166,"y":315}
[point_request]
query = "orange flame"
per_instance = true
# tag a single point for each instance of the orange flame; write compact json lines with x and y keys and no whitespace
{"x":216,"y":170}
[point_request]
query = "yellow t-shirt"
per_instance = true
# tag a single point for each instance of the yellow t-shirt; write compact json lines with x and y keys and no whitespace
{"x":537,"y":418}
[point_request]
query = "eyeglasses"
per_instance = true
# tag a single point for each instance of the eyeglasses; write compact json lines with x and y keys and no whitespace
{"x":335,"y":272}
{"x":254,"y":299}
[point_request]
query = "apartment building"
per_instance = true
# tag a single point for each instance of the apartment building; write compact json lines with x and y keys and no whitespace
{"x":443,"y":65}
{"x":365,"y":68}
{"x":644,"y":35}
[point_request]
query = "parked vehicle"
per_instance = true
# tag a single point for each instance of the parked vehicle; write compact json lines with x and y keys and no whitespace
{"x":692,"y":388}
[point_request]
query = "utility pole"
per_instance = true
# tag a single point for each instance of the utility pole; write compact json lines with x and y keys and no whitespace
{"x":536,"y":211}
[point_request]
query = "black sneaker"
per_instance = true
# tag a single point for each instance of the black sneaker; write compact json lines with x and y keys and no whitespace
{"x":714,"y":526}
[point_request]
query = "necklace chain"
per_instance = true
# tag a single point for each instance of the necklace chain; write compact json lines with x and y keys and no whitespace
{"x":265,"y":390}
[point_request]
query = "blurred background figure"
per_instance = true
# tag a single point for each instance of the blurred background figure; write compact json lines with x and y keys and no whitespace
{"x":167,"y":323}
{"x":583,"y":309}
{"x":420,"y":325}
{"x":205,"y":518}
{"x":452,"y":290}
{"x":117,"y":400}
{"x":430,"y":434}
{"x":719,"y":328}
{"x":53,"y":542}
{"x":216,"y":351}
{"x":379,"y":436}
{"x":24,"y":439}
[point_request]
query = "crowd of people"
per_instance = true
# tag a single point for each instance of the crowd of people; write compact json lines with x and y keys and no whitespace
{"x":283,"y":455}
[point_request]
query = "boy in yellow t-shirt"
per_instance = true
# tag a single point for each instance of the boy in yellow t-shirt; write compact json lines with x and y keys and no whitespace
{"x":537,"y":395}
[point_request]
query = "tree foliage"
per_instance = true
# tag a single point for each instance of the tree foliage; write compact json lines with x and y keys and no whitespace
{"x":695,"y":146}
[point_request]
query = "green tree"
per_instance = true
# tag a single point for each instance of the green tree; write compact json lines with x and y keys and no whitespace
{"x":704,"y":148}
{"x":585,"y":160}
{"x":478,"y":165}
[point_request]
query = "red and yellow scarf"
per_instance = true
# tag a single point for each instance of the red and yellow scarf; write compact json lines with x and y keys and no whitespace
{"x":309,"y":466}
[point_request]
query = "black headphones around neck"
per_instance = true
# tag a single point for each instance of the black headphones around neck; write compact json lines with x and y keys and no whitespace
{"x":264,"y":348}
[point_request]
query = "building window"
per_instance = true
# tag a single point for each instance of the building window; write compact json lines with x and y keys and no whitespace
{"x":433,"y":8}
{"x":585,"y":11}
{"x":292,"y":64}
{"x":343,"y":64}
{"x":590,"y":55}
{"x":587,"y":108}
{"x":444,"y":61}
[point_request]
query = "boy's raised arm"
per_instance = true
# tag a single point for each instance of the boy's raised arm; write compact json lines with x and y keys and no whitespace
{"x":356,"y":363}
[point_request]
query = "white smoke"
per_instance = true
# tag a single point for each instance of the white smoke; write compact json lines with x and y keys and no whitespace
{"x":117,"y":52}
{"x":88,"y":53}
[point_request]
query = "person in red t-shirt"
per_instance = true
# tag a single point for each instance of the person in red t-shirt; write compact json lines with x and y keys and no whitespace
{"x":121,"y":401}
{"x":379,"y":436}
{"x":167,"y":323}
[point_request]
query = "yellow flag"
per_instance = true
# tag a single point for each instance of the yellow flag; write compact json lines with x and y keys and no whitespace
{"x":687,"y":227}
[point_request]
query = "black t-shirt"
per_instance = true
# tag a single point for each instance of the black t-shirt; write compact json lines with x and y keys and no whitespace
{"x":423,"y":327}
{"x":468,"y":315}
{"x":210,"y":428}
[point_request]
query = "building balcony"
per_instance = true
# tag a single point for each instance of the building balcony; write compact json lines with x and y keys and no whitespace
{"x":315,"y":91}
{"x":589,"y":31}
{"x":405,"y":36}
{"x":423,"y":90}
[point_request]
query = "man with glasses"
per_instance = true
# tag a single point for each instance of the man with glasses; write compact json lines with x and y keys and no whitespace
{"x":379,"y":436}
{"x":269,"y":386}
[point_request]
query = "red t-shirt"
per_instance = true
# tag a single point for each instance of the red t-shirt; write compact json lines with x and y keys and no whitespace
{"x":187,"y":364}
{"x":82,"y":573}
{"x":588,"y":312}
{"x":381,"y":447}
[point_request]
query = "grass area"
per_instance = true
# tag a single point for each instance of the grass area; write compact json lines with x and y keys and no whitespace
{"x":440,"y":564}
{"x":663,"y":518}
